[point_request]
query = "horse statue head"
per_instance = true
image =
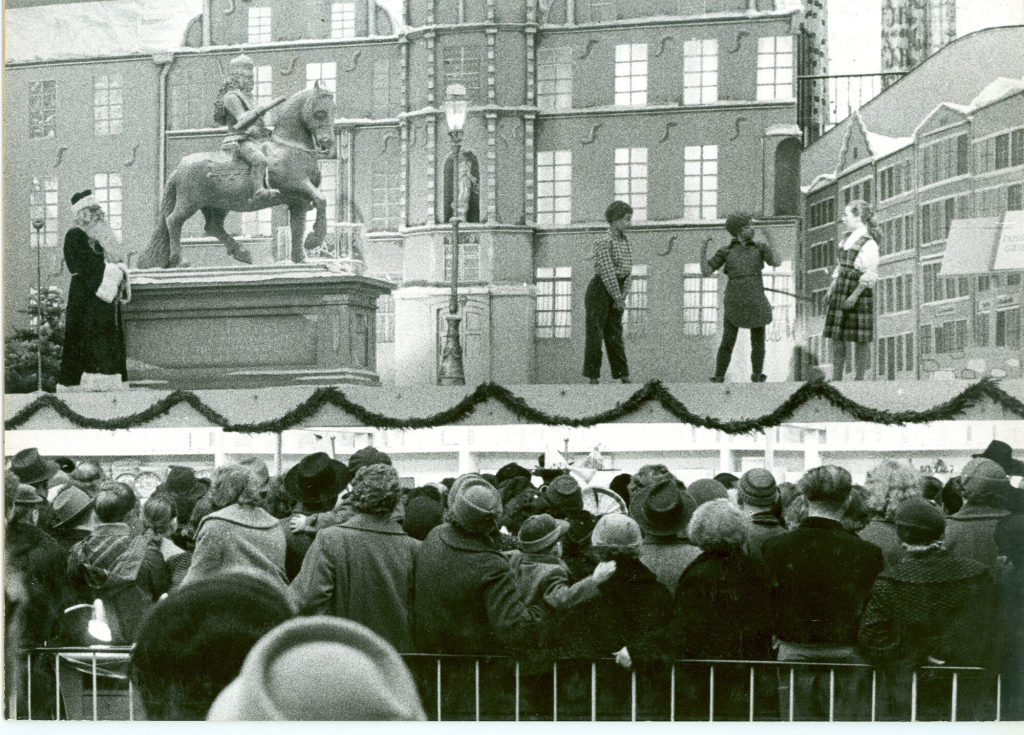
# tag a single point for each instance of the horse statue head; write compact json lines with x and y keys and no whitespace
{"x":307,"y":119}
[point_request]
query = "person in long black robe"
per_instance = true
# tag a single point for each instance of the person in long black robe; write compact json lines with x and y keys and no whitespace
{"x":93,"y":330}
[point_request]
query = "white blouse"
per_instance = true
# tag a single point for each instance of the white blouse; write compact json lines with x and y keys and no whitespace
{"x":867,"y":259}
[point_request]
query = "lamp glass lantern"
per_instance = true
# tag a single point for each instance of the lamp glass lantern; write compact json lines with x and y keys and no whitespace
{"x":455,"y":107}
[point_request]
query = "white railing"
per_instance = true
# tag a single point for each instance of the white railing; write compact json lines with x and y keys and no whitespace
{"x":469,"y":688}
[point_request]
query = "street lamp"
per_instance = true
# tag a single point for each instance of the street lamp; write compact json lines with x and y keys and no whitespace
{"x":451,"y":373}
{"x":38,"y":223}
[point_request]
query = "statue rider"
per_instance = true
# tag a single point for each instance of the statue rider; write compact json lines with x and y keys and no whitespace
{"x":233,"y":103}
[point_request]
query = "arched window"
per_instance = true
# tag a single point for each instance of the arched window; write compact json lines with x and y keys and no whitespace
{"x":787,"y":177}
{"x":469,"y":189}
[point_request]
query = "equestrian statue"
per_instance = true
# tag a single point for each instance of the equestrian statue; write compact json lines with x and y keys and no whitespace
{"x":254,"y":169}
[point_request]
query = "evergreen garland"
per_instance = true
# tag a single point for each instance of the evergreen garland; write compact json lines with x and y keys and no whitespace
{"x":653,"y":391}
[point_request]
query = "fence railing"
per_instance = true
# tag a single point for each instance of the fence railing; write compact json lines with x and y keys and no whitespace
{"x":94,"y":684}
{"x":826,"y":100}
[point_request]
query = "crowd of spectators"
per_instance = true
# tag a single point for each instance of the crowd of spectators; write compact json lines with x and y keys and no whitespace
{"x":257,"y":597}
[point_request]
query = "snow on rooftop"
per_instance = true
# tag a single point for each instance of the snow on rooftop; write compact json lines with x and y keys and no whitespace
{"x":108,"y":28}
{"x":996,"y":90}
{"x":883,"y":145}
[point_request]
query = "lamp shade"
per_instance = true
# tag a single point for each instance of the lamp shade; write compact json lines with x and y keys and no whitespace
{"x":455,"y":106}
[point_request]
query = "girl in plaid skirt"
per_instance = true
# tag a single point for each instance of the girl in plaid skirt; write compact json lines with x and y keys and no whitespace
{"x":851,"y":303}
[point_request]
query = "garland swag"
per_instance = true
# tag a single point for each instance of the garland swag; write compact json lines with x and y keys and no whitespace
{"x":986,"y":388}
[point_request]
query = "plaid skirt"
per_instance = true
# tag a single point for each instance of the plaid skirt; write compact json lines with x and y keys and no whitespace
{"x":850,"y":325}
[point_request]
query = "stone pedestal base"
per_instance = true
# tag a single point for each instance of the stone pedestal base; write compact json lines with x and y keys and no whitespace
{"x":251,"y":326}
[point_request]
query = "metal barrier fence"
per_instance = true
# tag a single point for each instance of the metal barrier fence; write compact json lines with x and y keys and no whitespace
{"x":94,"y":684}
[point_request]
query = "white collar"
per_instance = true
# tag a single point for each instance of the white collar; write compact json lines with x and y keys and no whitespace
{"x":860,"y":232}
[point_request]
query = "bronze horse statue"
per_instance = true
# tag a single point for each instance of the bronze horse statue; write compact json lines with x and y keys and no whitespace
{"x":216,"y":183}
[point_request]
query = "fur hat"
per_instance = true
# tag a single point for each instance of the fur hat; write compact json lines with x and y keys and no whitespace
{"x":510,"y":471}
{"x":704,"y":490}
{"x":919,"y":522}
{"x":375,"y":489}
{"x":27,"y":495}
{"x":366,"y":457}
{"x":477,"y":506}
{"x":616,"y":530}
{"x":757,"y":487}
{"x":462,"y":482}
{"x":983,"y":482}
{"x":422,"y":514}
{"x":539,"y":532}
{"x":181,"y":483}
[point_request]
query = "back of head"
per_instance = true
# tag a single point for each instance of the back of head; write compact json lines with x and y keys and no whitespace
{"x":704,"y":491}
{"x":365,"y":457}
{"x":422,"y":514}
{"x":193,"y":643}
{"x":235,"y":483}
{"x":952,"y":495}
{"x":511,"y":471}
{"x":828,"y":486}
{"x":159,"y":514}
{"x":727,"y":479}
{"x":616,"y":533}
{"x":919,"y":522}
{"x":259,"y":469}
{"x":476,"y":507}
{"x":375,"y":490}
{"x":889,"y":484}
{"x":717,"y":525}
{"x":564,"y":495}
{"x":115,"y":502}
{"x":620,"y":484}
{"x":320,"y":668}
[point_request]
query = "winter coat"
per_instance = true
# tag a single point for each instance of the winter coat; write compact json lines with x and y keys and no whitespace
{"x":240,"y":537}
{"x":632,"y":610}
{"x":883,"y":535}
{"x":971,"y":533}
{"x":763,"y":526}
{"x":544,"y":580}
{"x":932,"y":603}
{"x":668,"y":557}
{"x":42,"y":563}
{"x":466,"y":597}
{"x":722,"y":609}
{"x":296,"y":546}
{"x":820,"y":577}
{"x":362,"y":570}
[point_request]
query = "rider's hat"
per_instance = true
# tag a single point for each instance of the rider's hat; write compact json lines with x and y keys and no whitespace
{"x":240,"y":62}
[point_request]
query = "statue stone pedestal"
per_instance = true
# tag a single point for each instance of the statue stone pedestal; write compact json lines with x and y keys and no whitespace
{"x":252,"y":326}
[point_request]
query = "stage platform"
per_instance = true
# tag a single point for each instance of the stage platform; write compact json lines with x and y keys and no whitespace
{"x":725,"y":402}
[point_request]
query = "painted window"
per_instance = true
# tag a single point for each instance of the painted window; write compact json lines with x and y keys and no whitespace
{"x":554,"y":78}
{"x":631,"y":74}
{"x":554,"y":303}
{"x":700,"y":302}
{"x":554,"y":187}
{"x":108,"y":192}
{"x":635,"y":318}
{"x":775,"y":68}
{"x":700,"y":71}
{"x":631,"y":179}
{"x":44,"y":205}
{"x":700,"y":182}
{"x":343,"y":19}
{"x":107,"y":104}
{"x":259,"y":25}
{"x":42,"y":109}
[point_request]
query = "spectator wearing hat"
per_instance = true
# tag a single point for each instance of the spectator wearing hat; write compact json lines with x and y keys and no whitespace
{"x":342,"y":510}
{"x":519,"y":501}
{"x":467,"y":600}
{"x":887,"y":485}
{"x":704,"y":491}
{"x":182,"y":486}
{"x":620,"y":486}
{"x":422,"y":515}
{"x":40,"y":563}
{"x":627,"y":620}
{"x":314,"y":485}
{"x":931,"y":607}
{"x":192,"y":644}
{"x":87,"y":476}
{"x":647,"y":476}
{"x":663,"y":511}
{"x":820,"y":576}
{"x":1001,"y":453}
{"x":73,"y":517}
{"x":746,"y":306}
{"x":563,"y":498}
{"x":722,"y":607}
{"x":970,"y":532}
{"x":33,"y":469}
{"x":241,"y":534}
{"x":321,"y":669}
{"x":542,"y":576}
{"x":758,"y":498}
{"x":510,"y":471}
{"x":363,"y":569}
{"x":124,"y":570}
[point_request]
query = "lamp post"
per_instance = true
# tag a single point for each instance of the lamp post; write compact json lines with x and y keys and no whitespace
{"x":451,"y":372}
{"x":38,"y":223}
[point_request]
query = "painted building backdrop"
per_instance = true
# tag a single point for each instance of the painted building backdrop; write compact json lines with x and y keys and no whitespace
{"x":685,"y":109}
